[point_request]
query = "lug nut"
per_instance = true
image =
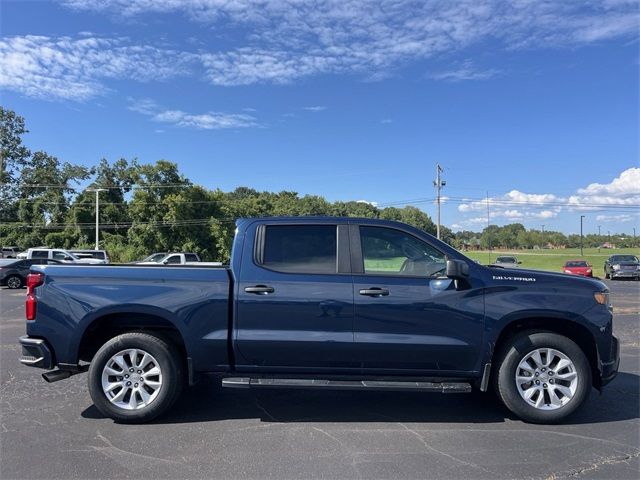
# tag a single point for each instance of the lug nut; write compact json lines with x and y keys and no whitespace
{"x":544,"y":385}
{"x":128,"y":384}
{"x":551,"y":380}
{"x":135,"y":385}
{"x":131,"y":370}
{"x":537,"y":382}
{"x":126,"y":375}
{"x":543,"y":369}
{"x":550,"y":372}
{"x":537,"y":374}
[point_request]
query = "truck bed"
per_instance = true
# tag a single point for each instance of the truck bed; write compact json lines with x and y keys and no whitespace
{"x":193,"y":298}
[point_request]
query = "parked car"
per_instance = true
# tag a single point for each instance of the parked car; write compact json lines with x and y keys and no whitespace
{"x":59,"y":254}
{"x":9,"y":252}
{"x":578,"y":267}
{"x":13,"y":272}
{"x":153,"y":258}
{"x":179,"y":259}
{"x":622,"y":266}
{"x":507,"y":261}
{"x":97,"y":254}
{"x":323,"y":302}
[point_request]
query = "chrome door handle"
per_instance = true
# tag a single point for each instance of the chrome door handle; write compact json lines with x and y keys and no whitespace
{"x":374,"y":292}
{"x":260,"y":289}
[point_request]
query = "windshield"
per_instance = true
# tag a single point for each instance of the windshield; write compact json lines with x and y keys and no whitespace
{"x":155,"y":257}
{"x":578,"y":263}
{"x":624,"y":258}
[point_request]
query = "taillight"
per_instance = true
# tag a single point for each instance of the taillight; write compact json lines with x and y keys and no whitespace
{"x":33,"y":280}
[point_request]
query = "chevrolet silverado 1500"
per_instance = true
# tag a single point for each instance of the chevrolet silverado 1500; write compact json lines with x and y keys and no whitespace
{"x":317,"y":302}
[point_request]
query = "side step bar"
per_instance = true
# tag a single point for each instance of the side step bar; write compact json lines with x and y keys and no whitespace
{"x":444,"y":387}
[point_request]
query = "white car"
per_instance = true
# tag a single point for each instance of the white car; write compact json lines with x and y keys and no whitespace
{"x":97,"y":254}
{"x":61,"y":255}
{"x":181,"y":259}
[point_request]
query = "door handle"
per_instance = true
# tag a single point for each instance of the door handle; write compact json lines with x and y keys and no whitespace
{"x":260,"y":289}
{"x":374,"y":292}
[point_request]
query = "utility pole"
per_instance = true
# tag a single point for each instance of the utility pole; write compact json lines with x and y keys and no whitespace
{"x":488,"y":229}
{"x":599,"y":239}
{"x":634,"y":236}
{"x":438,"y":183}
{"x":542,"y":235}
{"x":97,"y":190}
{"x":581,"y":246}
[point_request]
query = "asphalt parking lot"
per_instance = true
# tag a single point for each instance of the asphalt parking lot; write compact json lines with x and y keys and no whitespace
{"x":53,"y":430}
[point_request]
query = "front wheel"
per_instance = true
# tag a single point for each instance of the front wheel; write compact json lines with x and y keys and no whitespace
{"x":542,"y":377}
{"x":135,"y":377}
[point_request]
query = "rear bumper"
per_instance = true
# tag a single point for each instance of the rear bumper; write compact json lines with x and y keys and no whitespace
{"x":36,"y":352}
{"x":609,"y":370}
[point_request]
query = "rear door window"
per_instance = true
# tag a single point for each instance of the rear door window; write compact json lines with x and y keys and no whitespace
{"x":300,"y":248}
{"x":39,"y":254}
{"x":173,"y":260}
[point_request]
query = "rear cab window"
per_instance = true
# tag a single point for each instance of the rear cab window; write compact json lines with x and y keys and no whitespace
{"x":191,"y":257}
{"x":39,"y":254}
{"x":300,"y":248}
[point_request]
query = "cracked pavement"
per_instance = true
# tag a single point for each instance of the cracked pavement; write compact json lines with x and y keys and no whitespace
{"x":53,"y":430}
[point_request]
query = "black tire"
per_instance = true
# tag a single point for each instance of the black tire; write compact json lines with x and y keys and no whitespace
{"x":513,"y":353}
{"x":15,"y":281}
{"x":169,"y":362}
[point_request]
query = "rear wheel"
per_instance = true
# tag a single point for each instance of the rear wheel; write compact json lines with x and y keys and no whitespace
{"x":135,"y":377}
{"x":14,"y":281}
{"x":542,"y":377}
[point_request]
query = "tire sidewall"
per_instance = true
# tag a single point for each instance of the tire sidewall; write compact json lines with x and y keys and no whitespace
{"x":171,"y":376}
{"x":521,"y":346}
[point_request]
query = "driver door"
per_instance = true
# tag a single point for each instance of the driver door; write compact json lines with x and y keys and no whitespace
{"x":408,"y":316}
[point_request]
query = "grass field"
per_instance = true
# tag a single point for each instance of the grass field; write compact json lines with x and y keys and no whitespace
{"x":553,"y":260}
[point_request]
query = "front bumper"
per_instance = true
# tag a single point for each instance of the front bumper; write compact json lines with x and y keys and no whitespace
{"x":609,"y":370}
{"x":36,"y":352}
{"x":625,"y":274}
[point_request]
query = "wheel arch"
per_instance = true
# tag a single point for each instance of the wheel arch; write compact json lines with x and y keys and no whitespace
{"x":109,"y":325}
{"x":574,"y":331}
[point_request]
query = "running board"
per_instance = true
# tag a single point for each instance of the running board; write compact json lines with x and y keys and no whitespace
{"x":444,"y":387}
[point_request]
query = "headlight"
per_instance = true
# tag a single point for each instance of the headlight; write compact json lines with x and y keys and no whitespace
{"x":616,"y":267}
{"x":602,"y":297}
{"x":567,"y":271}
{"x":588,"y":270}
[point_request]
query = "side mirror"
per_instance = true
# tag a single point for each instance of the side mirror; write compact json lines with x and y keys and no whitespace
{"x":165,"y":262}
{"x":457,"y":269}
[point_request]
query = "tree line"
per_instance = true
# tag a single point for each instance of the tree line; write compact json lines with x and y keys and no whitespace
{"x":153,"y":207}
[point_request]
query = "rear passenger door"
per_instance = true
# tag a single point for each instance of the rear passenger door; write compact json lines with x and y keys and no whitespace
{"x":294,"y":298}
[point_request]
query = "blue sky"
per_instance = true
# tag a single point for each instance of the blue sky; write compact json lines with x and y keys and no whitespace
{"x":534,"y":102}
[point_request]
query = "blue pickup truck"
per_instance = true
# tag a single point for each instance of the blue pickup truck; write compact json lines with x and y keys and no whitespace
{"x":320,"y":302}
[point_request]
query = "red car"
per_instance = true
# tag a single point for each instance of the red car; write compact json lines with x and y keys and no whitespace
{"x":578,"y":267}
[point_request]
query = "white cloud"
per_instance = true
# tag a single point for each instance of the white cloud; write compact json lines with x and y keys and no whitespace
{"x":286,"y":40}
{"x":76,"y":68}
{"x":202,"y":121}
{"x":622,"y":190}
{"x":373,"y":204}
{"x":623,"y":217}
{"x":315,"y":108}
{"x":516,"y":206}
{"x":465,"y":71}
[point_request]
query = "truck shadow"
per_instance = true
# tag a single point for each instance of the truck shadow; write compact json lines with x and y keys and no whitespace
{"x":208,"y":402}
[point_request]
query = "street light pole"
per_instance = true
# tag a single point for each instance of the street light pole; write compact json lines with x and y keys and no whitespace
{"x":439,"y":183}
{"x":581,"y":243}
{"x":599,"y":239}
{"x":543,"y":236}
{"x":97,"y":190}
